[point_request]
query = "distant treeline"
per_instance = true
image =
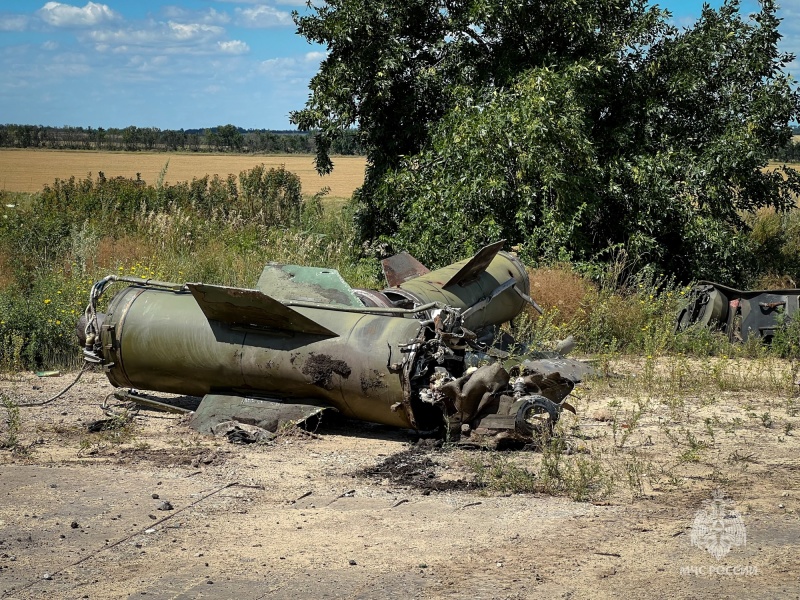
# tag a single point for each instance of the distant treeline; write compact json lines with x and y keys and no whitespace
{"x":223,"y":138}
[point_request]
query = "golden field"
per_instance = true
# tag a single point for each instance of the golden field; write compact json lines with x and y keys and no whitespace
{"x":29,"y":170}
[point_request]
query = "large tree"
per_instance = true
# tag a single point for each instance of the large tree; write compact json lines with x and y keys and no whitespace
{"x":567,"y":126}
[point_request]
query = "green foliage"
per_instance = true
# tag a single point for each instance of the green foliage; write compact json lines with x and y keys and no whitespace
{"x":37,"y":319}
{"x":582,"y":478}
{"x":499,"y":474}
{"x":523,"y":160}
{"x":569,"y":128}
{"x":786,"y":341}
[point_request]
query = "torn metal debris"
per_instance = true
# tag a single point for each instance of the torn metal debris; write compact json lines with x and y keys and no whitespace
{"x":739,"y":314}
{"x":425,"y":353}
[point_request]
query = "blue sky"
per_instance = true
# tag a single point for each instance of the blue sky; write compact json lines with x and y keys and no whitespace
{"x":180,"y":63}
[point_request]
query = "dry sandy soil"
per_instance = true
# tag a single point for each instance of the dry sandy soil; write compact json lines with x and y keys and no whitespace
{"x":30,"y":170}
{"x":81,"y":513}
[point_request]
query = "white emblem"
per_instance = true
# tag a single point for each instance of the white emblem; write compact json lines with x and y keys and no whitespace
{"x":718,"y":527}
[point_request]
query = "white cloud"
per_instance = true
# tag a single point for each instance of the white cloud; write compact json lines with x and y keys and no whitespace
{"x":171,"y":38}
{"x":292,"y":68}
{"x":264,"y":2}
{"x":158,"y":37}
{"x":13,"y":22}
{"x":50,"y":45}
{"x":315,"y":56}
{"x":262,"y":16}
{"x":66,"y":15}
{"x":233,"y":47}
{"x":193,"y":31}
{"x":208,"y":17}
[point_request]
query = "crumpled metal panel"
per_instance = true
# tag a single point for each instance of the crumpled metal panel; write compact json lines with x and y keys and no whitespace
{"x":306,"y":284}
{"x":269,"y":415}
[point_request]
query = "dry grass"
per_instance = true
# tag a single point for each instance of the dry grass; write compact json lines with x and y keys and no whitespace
{"x":112,"y":252}
{"x":562,"y":289}
{"x":30,"y":170}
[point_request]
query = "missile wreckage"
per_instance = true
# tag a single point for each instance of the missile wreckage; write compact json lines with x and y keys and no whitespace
{"x":426,"y":353}
{"x":741,"y":314}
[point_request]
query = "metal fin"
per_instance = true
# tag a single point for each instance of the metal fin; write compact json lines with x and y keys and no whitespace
{"x":401,"y":267}
{"x":251,"y":308}
{"x":476,"y":265}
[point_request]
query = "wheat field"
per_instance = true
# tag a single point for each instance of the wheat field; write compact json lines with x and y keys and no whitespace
{"x":29,"y":170}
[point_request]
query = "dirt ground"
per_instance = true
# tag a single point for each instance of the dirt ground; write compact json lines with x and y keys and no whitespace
{"x":354,"y":510}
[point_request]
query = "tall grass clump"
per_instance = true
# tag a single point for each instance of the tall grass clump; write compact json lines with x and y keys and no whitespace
{"x":633,"y":315}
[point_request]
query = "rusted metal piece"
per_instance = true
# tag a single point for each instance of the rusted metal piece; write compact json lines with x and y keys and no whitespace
{"x":740,"y":314}
{"x":408,"y":356}
{"x":401,"y":267}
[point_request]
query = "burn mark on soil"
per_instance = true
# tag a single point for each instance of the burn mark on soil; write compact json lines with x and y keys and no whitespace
{"x":321,"y":367}
{"x":415,"y":468}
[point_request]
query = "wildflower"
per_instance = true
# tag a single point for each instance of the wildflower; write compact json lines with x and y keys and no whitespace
{"x":47,"y":301}
{"x":58,"y":322}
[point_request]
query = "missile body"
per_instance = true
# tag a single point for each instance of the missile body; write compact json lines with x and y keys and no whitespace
{"x":490,"y":288}
{"x":156,"y":339}
{"x":304,"y":339}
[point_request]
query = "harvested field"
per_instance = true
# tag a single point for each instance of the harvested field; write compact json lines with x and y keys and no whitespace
{"x":30,"y":170}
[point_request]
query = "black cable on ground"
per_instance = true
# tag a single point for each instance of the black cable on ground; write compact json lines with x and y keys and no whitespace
{"x":86,"y":367}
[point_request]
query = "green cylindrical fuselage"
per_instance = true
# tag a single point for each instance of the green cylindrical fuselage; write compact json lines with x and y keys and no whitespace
{"x":432,"y":287}
{"x":161,"y":340}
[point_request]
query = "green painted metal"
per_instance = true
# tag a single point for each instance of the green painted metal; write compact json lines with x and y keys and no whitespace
{"x":161,"y":340}
{"x":251,"y":308}
{"x":309,"y":284}
{"x":304,"y":340}
{"x":459,"y":286}
{"x":270,"y":415}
